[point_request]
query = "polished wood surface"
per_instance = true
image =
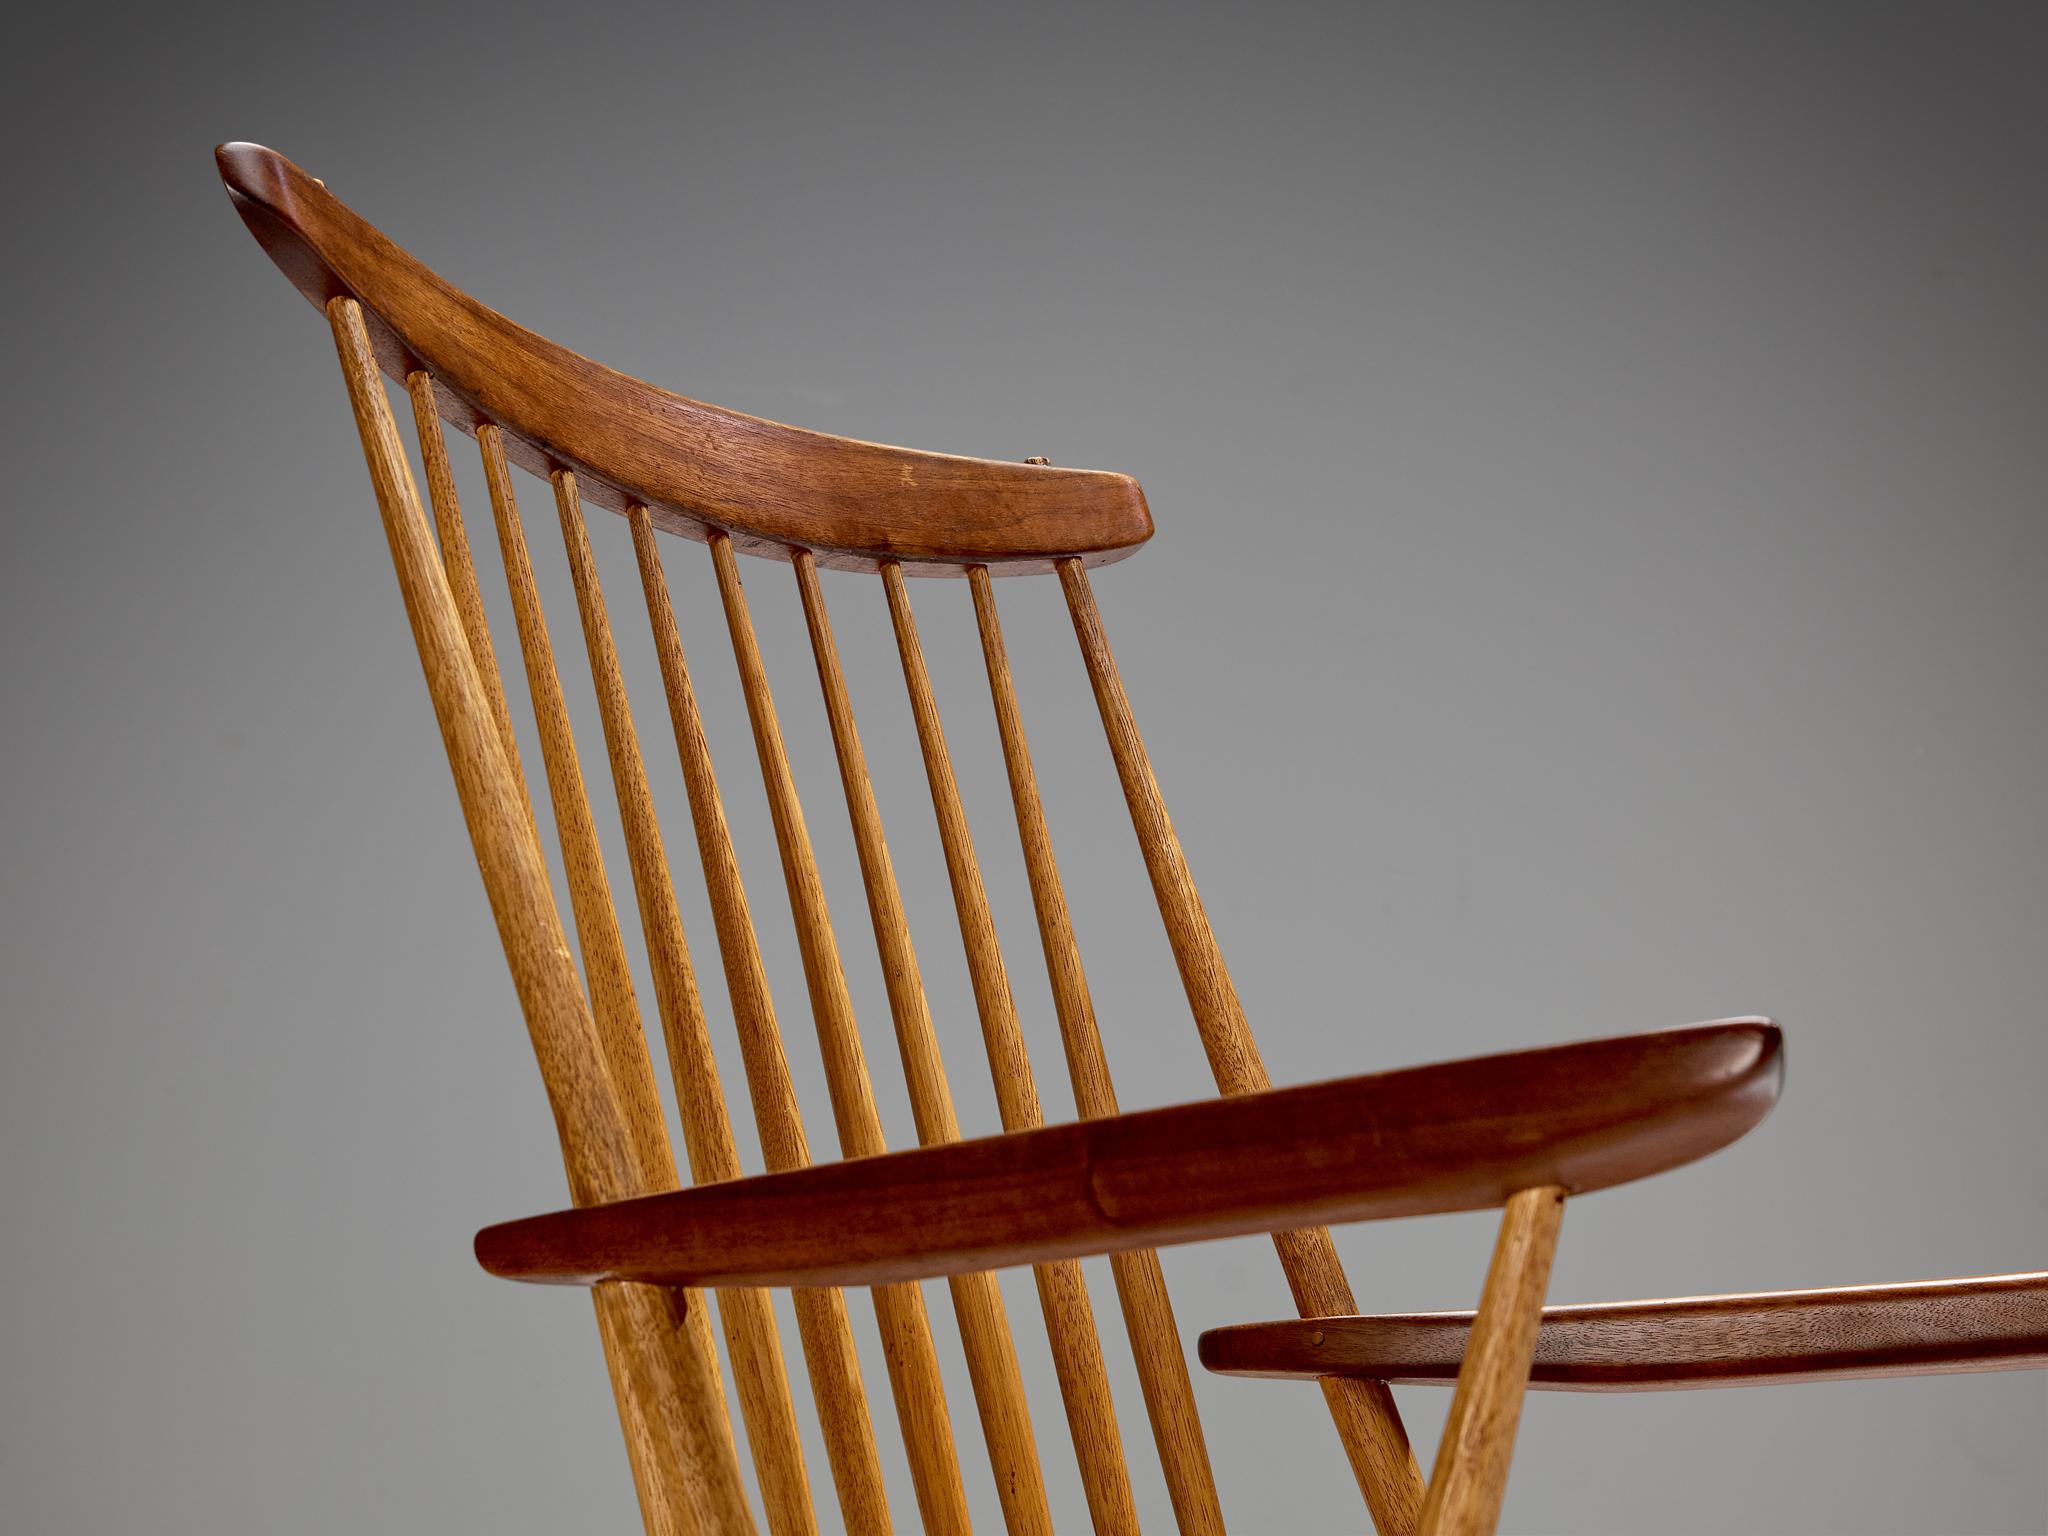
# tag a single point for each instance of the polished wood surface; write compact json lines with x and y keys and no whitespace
{"x":1460,"y":1136}
{"x":1140,"y":1283}
{"x":1921,"y":1328}
{"x":1367,"y":1422}
{"x":697,"y":467}
{"x":1471,"y":1473}
{"x":679,"y":1444}
{"x":1062,"y":1292}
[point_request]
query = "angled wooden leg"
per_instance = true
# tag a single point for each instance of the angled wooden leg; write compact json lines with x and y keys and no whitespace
{"x":1471,"y":1473}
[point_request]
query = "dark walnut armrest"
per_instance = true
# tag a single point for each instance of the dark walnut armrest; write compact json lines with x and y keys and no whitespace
{"x":1924,"y":1328}
{"x":1460,"y":1136}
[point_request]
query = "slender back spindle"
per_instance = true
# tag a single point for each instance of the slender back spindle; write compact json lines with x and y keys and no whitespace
{"x":1366,"y":1419}
{"x":671,"y":1407}
{"x":1062,"y":1294}
{"x":774,"y":1441}
{"x":899,"y":1309}
{"x":1141,"y":1285}
{"x":460,"y":565}
{"x":603,"y":946}
{"x":751,"y":1336}
{"x":977,"y":1300}
{"x":821,"y":1314}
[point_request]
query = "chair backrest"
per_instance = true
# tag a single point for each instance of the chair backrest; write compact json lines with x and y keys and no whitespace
{"x":744,"y":486}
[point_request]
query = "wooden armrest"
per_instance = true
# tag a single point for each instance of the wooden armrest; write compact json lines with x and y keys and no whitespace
{"x":1925,"y":1328}
{"x":1460,"y":1136}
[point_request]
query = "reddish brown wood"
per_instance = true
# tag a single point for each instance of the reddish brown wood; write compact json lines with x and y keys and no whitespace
{"x":1924,"y":1328}
{"x":697,"y":467}
{"x":1460,"y":1136}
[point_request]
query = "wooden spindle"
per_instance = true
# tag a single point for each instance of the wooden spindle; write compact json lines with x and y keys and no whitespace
{"x":821,"y":1314}
{"x":681,"y":1462}
{"x":752,"y":1342}
{"x":1471,"y":1474}
{"x":783,"y":1142}
{"x":1141,"y":1285}
{"x":460,"y":565}
{"x":660,"y":1480}
{"x":707,"y":1131}
{"x":977,"y":1299}
{"x":899,"y":1309}
{"x":1367,"y":1421}
{"x":673,"y":1386}
{"x":605,"y":967}
{"x":669,"y":1496}
{"x":1062,"y":1292}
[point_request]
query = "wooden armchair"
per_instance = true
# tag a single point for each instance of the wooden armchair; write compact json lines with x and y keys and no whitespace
{"x":1520,"y":1131}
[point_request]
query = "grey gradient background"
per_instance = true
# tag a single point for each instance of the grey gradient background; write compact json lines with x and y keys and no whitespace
{"x":1599,"y":462}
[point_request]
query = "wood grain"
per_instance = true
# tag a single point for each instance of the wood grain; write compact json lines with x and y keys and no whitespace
{"x":1367,"y":1421}
{"x":698,"y":468}
{"x":1918,"y":1328}
{"x":676,"y":1420}
{"x":977,"y":1300}
{"x":460,"y":564}
{"x":822,"y":1322}
{"x":661,"y":1481}
{"x":1457,"y":1136}
{"x":1471,"y":1474}
{"x":1140,"y":1283}
{"x":670,"y":1407}
{"x":752,"y":1341}
{"x":1062,"y":1291}
{"x":665,"y":1502}
{"x":606,"y":969}
{"x":899,"y":1308}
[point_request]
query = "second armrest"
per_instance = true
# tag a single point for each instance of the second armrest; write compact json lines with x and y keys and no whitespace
{"x":1459,"y":1136}
{"x":1922,"y":1328}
